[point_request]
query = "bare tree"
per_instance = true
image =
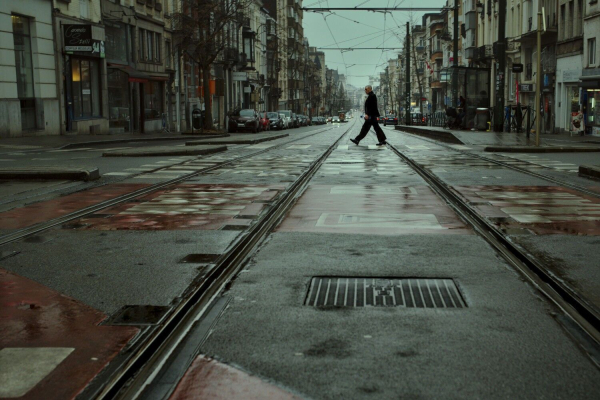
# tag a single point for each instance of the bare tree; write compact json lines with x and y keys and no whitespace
{"x":202,"y":31}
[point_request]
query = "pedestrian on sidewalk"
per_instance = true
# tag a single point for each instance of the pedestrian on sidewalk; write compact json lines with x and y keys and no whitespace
{"x":371,"y":114}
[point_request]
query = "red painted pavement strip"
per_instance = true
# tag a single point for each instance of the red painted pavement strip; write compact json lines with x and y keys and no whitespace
{"x":543,"y":210}
{"x":373,"y":210}
{"x":46,"y":210}
{"x":189,"y":206}
{"x":209,"y":379}
{"x":34,"y":316}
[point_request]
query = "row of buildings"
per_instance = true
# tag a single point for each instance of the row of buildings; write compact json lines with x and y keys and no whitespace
{"x":570,"y":62}
{"x":115,"y":66}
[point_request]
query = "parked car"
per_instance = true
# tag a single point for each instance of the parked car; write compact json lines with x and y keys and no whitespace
{"x":316,"y":121}
{"x":418,"y":119}
{"x":328,"y":119}
{"x":264,"y":122}
{"x":294,"y":121}
{"x":390,"y":119}
{"x":244,"y":120}
{"x":287,"y":118}
{"x":275,"y":120}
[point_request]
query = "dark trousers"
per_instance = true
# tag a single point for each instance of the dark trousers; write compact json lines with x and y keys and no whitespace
{"x":372,"y":121}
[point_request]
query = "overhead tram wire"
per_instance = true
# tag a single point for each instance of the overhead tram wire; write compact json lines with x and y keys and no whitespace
{"x":360,"y":37}
{"x":372,"y":9}
{"x":341,"y":52}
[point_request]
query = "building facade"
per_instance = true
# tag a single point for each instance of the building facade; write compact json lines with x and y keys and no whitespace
{"x":29,"y":101}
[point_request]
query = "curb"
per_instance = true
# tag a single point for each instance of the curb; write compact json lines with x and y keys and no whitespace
{"x":239,"y":141}
{"x":156,"y":152}
{"x":589,"y":171}
{"x":50,"y":173}
{"x":442,"y":136}
{"x":86,"y":144}
{"x":532,"y":149}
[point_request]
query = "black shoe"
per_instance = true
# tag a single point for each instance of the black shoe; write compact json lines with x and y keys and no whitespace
{"x":382,"y":143}
{"x":354,"y":141}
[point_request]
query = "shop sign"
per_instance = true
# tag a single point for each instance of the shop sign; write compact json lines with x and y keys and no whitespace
{"x":577,"y":123}
{"x":571,"y":75}
{"x":77,"y":37}
{"x":517,"y":68}
{"x":239,"y":76}
{"x":526,"y":87}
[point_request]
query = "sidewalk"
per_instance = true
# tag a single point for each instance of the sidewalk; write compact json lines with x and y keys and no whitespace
{"x":505,"y":141}
{"x":75,"y":141}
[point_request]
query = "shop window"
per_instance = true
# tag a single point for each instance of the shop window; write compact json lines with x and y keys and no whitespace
{"x":24,"y":70}
{"x":153,"y":106}
{"x":118,"y":99}
{"x":85,"y":88}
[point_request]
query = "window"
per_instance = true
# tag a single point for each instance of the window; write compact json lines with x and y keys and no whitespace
{"x":24,"y":71}
{"x":571,"y":19}
{"x":562,"y":22}
{"x":579,"y":18}
{"x":149,"y":46}
{"x":85,"y":87}
{"x":158,"y":42}
{"x":591,"y":52}
{"x":168,"y":53}
{"x":153,"y":100}
{"x":84,"y":9}
{"x":116,"y":42}
{"x":141,"y":52}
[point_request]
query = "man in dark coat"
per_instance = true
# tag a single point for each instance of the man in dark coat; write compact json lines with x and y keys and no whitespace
{"x":371,"y":114}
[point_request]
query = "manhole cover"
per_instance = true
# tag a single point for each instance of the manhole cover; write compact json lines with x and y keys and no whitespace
{"x":383,"y":292}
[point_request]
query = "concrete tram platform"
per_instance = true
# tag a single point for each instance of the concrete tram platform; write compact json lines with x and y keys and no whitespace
{"x":240,"y":139}
{"x":507,"y":141}
{"x":166,"y":151}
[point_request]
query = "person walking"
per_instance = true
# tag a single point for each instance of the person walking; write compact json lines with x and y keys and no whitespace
{"x":371,"y":114}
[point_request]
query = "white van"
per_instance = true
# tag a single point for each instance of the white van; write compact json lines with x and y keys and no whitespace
{"x":287,"y":114}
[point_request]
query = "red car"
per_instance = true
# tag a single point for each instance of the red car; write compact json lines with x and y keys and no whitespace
{"x":264,"y":122}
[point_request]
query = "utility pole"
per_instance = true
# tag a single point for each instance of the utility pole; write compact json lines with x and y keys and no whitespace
{"x":407,"y":94}
{"x":500,"y":68}
{"x":538,"y":79}
{"x":455,"y":58}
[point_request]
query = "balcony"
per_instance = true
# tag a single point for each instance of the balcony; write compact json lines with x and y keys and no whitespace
{"x":231,"y":55}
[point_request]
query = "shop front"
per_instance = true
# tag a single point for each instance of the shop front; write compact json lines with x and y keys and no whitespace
{"x":590,"y":85}
{"x":84,"y":65}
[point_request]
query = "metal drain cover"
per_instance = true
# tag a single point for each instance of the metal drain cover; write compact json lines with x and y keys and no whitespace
{"x":331,"y":291}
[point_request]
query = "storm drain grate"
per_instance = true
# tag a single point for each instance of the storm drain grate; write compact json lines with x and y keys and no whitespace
{"x":383,"y":292}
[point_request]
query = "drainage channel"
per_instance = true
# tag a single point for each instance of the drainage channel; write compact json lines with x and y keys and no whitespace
{"x":550,"y":179}
{"x":577,"y":308}
{"x":34,"y":229}
{"x":130,"y":373}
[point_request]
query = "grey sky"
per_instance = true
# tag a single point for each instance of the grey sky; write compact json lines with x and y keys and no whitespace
{"x":366,"y":29}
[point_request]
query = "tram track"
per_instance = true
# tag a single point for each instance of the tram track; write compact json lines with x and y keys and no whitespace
{"x":128,"y":375}
{"x":580,"y":311}
{"x":42,"y":226}
{"x":550,"y":179}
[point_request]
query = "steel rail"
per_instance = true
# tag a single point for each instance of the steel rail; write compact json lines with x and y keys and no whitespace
{"x":158,"y":347}
{"x":574,"y":306}
{"x":42,"y":226}
{"x":513,"y":167}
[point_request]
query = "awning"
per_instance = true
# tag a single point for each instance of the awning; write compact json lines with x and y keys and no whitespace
{"x":589,"y":81}
{"x":134,"y":75}
{"x":158,"y":78}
